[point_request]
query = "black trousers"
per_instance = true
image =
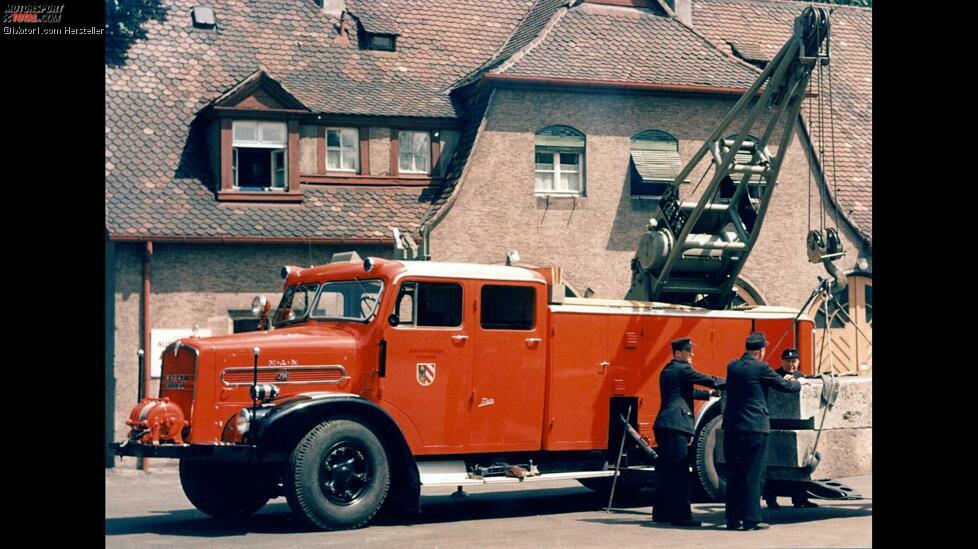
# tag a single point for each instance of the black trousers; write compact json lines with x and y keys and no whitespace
{"x":745,"y":452}
{"x":672,"y":470}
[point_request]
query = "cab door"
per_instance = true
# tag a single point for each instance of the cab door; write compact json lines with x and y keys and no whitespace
{"x":508,"y":367}
{"x":426,"y":382}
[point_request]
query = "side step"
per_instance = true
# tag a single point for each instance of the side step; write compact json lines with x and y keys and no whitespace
{"x":454,"y":473}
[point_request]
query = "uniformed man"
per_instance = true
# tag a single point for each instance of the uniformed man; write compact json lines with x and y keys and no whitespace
{"x":790,"y":362}
{"x":746,"y":425}
{"x":674,"y":431}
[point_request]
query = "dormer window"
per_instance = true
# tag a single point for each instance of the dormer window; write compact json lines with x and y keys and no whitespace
{"x":259,"y":155}
{"x":381,"y":42}
{"x":377,"y":31}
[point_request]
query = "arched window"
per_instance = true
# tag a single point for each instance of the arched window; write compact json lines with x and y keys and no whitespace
{"x":560,"y":161}
{"x":747,"y":295}
{"x":655,"y":163}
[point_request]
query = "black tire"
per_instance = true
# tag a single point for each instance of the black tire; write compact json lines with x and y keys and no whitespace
{"x":711,"y":476}
{"x":338,"y":476}
{"x":602,"y":485}
{"x":224,"y":491}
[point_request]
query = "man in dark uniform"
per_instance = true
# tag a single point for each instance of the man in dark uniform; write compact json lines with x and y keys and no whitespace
{"x":745,"y":429}
{"x":673,"y":432}
{"x":790,"y":361}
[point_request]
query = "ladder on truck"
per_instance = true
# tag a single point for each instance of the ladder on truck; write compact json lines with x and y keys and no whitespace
{"x":693,"y":251}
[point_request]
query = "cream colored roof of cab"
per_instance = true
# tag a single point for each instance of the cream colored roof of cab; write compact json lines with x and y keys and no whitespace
{"x":470,"y":270}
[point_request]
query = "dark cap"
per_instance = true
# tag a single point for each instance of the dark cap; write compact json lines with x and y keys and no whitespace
{"x":756,"y":341}
{"x":682,"y":344}
{"x":789,"y":354}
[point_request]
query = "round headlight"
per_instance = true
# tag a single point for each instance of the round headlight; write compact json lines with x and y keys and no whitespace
{"x":243,"y":421}
{"x":258,"y":305}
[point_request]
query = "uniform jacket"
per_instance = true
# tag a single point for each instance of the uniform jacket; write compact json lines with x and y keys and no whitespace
{"x":676,"y":390}
{"x":748,"y":381}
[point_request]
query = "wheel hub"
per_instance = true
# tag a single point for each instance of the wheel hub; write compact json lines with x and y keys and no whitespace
{"x":344,"y":473}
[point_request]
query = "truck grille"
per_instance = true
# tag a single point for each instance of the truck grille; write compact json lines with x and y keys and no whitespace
{"x":179,"y":375}
{"x":284,"y":375}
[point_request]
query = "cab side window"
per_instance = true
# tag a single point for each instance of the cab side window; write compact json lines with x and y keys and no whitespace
{"x":435,"y":304}
{"x":508,"y":307}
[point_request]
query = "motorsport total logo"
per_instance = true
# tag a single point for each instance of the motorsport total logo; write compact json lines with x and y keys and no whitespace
{"x":33,"y":13}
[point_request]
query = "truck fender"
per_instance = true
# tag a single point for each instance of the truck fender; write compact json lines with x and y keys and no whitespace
{"x":278,"y":432}
{"x":711,"y":408}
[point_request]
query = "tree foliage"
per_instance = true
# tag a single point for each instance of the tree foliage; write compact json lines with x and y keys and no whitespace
{"x":124,"y":25}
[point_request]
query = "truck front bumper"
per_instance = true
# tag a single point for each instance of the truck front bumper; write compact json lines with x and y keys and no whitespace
{"x":216,"y":452}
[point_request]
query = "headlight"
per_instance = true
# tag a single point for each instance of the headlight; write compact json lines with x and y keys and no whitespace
{"x":258,"y":305}
{"x":242,"y":422}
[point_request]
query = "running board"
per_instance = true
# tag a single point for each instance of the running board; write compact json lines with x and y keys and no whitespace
{"x":453,"y":473}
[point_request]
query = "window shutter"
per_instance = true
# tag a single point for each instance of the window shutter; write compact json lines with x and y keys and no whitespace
{"x":657,"y":164}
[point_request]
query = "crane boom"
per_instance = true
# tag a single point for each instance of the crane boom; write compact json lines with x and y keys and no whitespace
{"x":693,"y":252}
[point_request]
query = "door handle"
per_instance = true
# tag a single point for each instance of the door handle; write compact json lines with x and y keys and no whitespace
{"x":460,"y":338}
{"x":530,"y":341}
{"x":604,"y":364}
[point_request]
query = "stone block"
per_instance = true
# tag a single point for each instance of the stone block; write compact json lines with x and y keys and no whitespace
{"x":853,"y":408}
{"x":845,"y":452}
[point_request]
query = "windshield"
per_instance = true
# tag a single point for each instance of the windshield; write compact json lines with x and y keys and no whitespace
{"x":348,"y":300}
{"x":295,"y":304}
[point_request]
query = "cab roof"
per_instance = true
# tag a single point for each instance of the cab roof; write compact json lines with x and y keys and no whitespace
{"x":434,"y":269}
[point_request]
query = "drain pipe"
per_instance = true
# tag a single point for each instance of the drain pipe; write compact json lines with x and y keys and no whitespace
{"x":142,"y":464}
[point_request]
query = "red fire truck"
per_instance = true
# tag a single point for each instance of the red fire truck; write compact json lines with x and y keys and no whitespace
{"x":382,"y":376}
{"x":379,"y":377}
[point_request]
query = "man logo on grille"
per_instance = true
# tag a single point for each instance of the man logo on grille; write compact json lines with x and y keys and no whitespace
{"x":426,"y":373}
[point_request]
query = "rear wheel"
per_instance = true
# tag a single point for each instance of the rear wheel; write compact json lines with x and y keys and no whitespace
{"x":224,"y":491}
{"x":711,"y":475}
{"x":338,"y":476}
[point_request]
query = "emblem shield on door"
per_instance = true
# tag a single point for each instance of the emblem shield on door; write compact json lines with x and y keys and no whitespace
{"x":426,"y":373}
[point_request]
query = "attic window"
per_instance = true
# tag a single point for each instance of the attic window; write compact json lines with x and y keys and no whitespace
{"x":203,"y":17}
{"x":381,"y":42}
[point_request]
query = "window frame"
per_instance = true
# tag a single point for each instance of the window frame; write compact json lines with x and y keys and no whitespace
{"x":415,"y":304}
{"x":372,"y":41}
{"x":534,"y":320}
{"x":341,"y":149}
{"x":400,"y":152}
{"x":556,"y":172}
{"x":258,"y":143}
{"x":555,"y":150}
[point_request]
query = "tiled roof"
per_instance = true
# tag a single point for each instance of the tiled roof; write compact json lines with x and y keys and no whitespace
{"x":158,"y":179}
{"x":530,"y":27}
{"x":610,"y":43}
{"x":760,"y":27}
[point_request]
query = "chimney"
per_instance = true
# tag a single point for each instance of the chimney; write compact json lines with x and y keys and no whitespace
{"x":683,"y":10}
{"x":333,"y":7}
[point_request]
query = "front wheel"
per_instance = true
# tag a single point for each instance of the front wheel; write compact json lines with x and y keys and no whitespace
{"x":711,"y":475}
{"x":338,"y":476}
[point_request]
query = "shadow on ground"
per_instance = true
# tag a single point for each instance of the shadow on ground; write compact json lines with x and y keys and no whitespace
{"x":634,"y":510}
{"x":276,"y":517}
{"x":711,"y":515}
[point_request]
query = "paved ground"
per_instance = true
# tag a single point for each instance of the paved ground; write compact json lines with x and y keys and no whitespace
{"x":150,"y":509}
